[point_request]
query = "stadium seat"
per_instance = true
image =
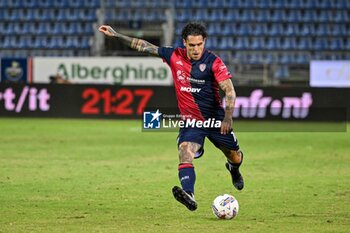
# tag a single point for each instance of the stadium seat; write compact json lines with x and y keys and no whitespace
{"x":307,"y":30}
{"x":215,"y":15}
{"x":14,"y":4}
{"x":60,"y":3}
{"x":276,"y":29}
{"x":293,"y":16}
{"x":242,"y":43}
{"x":44,"y":3}
{"x":262,"y":16}
{"x":321,"y":30}
{"x":247,"y":15}
{"x":281,"y":72}
{"x":244,"y":30}
{"x":231,"y":15}
{"x":183,"y":4}
{"x":211,"y":42}
{"x":309,"y":4}
{"x":302,"y":59}
{"x":273,"y":43}
{"x":336,"y":44}
{"x":277,"y":15}
{"x":291,"y":30}
{"x":304,"y":44}
{"x":231,"y":4}
{"x":309,"y":16}
{"x":182,"y":15}
{"x":213,"y":3}
{"x":257,"y":44}
{"x":320,"y":44}
{"x":91,"y":3}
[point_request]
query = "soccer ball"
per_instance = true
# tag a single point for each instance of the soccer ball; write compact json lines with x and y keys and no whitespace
{"x":225,"y":206}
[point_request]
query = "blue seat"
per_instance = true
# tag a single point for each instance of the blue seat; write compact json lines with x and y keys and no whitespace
{"x":276,"y":29}
{"x":85,"y":43}
{"x":276,"y":4}
{"x":228,"y":29}
{"x":7,"y":42}
{"x":273,"y":43}
{"x":281,"y":72}
{"x":200,"y":15}
{"x":309,"y":4}
{"x":92,"y":3}
{"x":44,"y":3}
{"x":21,"y":28}
{"x":293,"y":16}
{"x":307,"y":30}
{"x":293,"y":4}
{"x":254,"y":59}
{"x":14,"y":3}
{"x":262,"y":16}
{"x":269,"y":58}
{"x":11,"y":15}
{"x":277,"y":15}
{"x":257,"y":44}
{"x":302,"y":59}
{"x":27,"y":14}
{"x":337,"y":44}
{"x":322,"y":30}
{"x":231,"y":15}
{"x":242,"y":43}
{"x":182,"y":15}
{"x":309,"y":16}
{"x":136,"y":3}
{"x":226,"y":43}
{"x":247,"y":15}
{"x":320,"y":44}
{"x":244,"y":30}
{"x":289,"y":43}
{"x":324,"y":4}
{"x":216,"y":15}
{"x":87,"y":14}
{"x":324,"y":16}
{"x":42,"y":14}
{"x":121,"y":3}
{"x":305,"y":44}
{"x":230,"y":4}
{"x":60,"y":3}
{"x":212,"y":43}
{"x":291,"y":30}
{"x":214,"y":29}
{"x":249,"y":4}
{"x":214,"y":3}
{"x":183,"y":4}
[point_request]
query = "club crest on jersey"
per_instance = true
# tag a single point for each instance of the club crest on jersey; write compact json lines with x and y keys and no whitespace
{"x":202,"y":67}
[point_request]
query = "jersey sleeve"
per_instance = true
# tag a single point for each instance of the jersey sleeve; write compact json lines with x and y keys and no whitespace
{"x":220,"y":70}
{"x":165,"y":53}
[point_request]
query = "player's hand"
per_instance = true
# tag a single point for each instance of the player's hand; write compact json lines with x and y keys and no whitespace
{"x":107,"y":30}
{"x":226,"y":125}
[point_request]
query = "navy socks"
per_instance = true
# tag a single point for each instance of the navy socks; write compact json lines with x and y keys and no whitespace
{"x":187,"y":177}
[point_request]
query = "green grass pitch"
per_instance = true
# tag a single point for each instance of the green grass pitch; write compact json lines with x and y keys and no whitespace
{"x":59,"y":175}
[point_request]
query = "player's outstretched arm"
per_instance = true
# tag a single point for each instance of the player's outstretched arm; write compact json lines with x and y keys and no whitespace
{"x":134,"y":43}
{"x":230,"y":97}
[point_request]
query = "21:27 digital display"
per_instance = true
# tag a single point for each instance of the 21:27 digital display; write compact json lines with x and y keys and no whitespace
{"x":123,"y":101}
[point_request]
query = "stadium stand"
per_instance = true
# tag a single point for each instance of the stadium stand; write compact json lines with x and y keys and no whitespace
{"x":247,"y":34}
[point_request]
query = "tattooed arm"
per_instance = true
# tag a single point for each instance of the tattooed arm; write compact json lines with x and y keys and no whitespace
{"x":230,"y":97}
{"x":134,"y":43}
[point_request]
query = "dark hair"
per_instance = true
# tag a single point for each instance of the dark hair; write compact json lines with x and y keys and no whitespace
{"x":194,"y":29}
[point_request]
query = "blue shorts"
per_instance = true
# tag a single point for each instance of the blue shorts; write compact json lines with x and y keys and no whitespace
{"x":198,"y":135}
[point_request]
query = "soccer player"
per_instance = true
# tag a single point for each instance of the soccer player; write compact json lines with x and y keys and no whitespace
{"x":197,"y":74}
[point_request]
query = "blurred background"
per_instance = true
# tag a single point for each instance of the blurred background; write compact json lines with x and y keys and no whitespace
{"x":300,"y":49}
{"x":264,"y":42}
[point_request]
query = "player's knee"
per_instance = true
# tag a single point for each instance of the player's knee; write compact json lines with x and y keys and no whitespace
{"x":235,"y":156}
{"x":185,"y":153}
